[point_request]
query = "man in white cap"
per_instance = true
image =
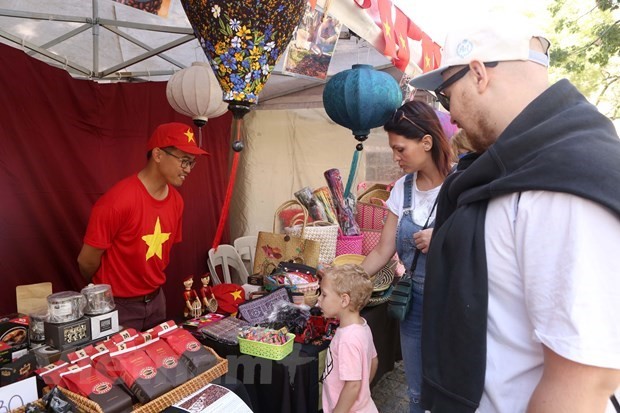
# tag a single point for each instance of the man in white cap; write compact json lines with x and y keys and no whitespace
{"x":521,"y":297}
{"x":133,"y":226}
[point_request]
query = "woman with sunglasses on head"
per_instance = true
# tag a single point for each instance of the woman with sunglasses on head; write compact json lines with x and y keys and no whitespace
{"x":420,"y":148}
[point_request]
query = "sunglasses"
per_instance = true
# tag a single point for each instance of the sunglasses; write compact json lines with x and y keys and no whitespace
{"x":399,"y":115}
{"x":439,"y":92}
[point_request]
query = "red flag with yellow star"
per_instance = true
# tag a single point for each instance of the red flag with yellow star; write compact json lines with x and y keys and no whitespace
{"x":401,"y":28}
{"x":387,"y":26}
{"x":228,"y":297}
{"x":428,"y":58}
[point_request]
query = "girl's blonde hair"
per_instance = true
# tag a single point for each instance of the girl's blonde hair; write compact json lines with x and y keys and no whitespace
{"x":351,"y":279}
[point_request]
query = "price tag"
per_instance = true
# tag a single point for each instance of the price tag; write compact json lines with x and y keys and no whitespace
{"x":18,"y":394}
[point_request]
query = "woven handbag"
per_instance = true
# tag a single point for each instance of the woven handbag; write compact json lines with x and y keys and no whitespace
{"x":273,"y":248}
{"x":349,"y":244}
{"x":370,"y":239}
{"x":323,"y":232}
{"x":371,"y":208}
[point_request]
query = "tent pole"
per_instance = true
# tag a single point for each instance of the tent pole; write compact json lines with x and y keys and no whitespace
{"x":96,"y":37}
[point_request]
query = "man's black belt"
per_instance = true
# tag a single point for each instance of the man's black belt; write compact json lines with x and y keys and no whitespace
{"x":141,"y":298}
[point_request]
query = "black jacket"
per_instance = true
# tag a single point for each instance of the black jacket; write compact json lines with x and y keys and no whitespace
{"x":559,"y":143}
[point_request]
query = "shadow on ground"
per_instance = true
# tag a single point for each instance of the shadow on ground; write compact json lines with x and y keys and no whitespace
{"x":390,"y":393}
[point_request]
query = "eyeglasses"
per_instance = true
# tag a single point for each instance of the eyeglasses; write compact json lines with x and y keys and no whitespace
{"x":445,"y":99}
{"x":400,"y":115}
{"x":185,"y":162}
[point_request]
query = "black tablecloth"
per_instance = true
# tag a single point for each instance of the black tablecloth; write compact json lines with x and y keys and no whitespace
{"x":291,"y":384}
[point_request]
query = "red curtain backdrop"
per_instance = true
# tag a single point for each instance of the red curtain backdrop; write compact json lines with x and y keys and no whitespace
{"x":63,"y":143}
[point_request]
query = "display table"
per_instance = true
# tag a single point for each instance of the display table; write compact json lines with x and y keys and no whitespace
{"x":292,"y":384}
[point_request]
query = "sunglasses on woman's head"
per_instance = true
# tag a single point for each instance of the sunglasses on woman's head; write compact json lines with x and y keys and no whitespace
{"x":399,"y":115}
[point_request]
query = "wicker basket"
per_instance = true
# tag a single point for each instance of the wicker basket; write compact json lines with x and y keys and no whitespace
{"x":265,"y":350}
{"x":323,"y":232}
{"x":162,"y":402}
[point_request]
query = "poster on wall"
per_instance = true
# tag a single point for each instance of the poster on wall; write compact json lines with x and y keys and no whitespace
{"x":313,"y":45}
{"x":157,"y":7}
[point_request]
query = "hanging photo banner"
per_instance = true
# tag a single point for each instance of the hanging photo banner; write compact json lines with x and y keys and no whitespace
{"x":314,"y":41}
{"x":157,"y":7}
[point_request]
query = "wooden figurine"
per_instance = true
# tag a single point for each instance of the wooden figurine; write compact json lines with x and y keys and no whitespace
{"x":193,"y":307}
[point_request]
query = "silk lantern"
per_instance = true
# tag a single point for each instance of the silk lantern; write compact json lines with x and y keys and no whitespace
{"x":243,"y":39}
{"x":360,"y":99}
{"x":195,"y":92}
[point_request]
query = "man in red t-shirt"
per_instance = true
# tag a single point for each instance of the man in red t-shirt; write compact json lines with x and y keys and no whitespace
{"x":133,"y":225}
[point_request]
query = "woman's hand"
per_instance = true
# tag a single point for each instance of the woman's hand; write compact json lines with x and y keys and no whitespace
{"x":422,"y":239}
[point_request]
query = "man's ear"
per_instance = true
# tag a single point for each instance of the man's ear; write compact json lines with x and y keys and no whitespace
{"x":481,"y":75}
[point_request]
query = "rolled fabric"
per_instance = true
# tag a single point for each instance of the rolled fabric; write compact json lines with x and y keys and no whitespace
{"x":345,"y":214}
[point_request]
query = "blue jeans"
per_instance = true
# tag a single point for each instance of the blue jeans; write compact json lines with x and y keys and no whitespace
{"x":410,"y":342}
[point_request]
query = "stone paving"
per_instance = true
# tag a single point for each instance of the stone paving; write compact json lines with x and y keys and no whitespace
{"x":390,"y":393}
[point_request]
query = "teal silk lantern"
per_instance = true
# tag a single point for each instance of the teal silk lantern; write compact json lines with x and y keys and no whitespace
{"x":360,"y":99}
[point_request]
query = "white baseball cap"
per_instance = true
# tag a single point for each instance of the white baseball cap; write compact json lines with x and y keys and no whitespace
{"x":497,"y":39}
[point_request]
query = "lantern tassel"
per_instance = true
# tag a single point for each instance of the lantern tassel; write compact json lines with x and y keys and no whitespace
{"x":237,"y":125}
{"x":352,"y":173}
{"x":226,"y":207}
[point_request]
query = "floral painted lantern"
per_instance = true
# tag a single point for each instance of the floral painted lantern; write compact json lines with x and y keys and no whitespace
{"x":243,"y":40}
{"x":360,"y":99}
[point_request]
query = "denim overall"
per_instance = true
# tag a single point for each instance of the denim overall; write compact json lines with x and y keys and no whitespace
{"x":411,"y":326}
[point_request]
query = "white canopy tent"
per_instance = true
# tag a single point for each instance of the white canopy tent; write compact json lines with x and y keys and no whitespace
{"x":107,"y":41}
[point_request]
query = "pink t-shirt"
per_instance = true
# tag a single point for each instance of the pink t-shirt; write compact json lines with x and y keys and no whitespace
{"x":349,"y":359}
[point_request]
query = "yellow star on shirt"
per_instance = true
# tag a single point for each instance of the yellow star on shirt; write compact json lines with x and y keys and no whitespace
{"x":236,"y":295}
{"x":155,"y":241}
{"x":190,"y":136}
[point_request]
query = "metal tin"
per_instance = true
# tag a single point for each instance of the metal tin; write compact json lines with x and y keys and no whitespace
{"x":36,"y":327}
{"x":65,"y":306}
{"x":99,"y":299}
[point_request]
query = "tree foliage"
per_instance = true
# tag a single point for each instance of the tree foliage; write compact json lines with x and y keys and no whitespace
{"x":586,"y":49}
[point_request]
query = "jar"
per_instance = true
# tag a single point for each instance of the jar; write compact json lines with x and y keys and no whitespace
{"x":99,"y":299}
{"x":36,"y":328}
{"x":65,"y":306}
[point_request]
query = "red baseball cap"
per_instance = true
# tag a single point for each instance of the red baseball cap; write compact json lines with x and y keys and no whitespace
{"x":175,"y":134}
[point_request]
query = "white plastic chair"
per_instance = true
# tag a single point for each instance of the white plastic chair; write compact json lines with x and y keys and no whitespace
{"x":226,"y":257}
{"x":246,"y":247}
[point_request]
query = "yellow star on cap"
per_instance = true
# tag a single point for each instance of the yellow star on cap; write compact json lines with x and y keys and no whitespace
{"x":236,"y":295}
{"x":155,"y":241}
{"x":190,"y":136}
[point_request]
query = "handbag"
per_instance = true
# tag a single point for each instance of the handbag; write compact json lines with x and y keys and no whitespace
{"x":325,"y":233}
{"x":402,"y":294}
{"x":273,"y":248}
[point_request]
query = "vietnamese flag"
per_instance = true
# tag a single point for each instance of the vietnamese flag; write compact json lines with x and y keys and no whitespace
{"x":401,"y":29}
{"x":387,"y":26}
{"x":428,"y":57}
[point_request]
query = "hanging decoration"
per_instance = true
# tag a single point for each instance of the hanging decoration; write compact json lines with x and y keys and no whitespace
{"x":243,"y":39}
{"x":195,"y":92}
{"x":360,"y":99}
